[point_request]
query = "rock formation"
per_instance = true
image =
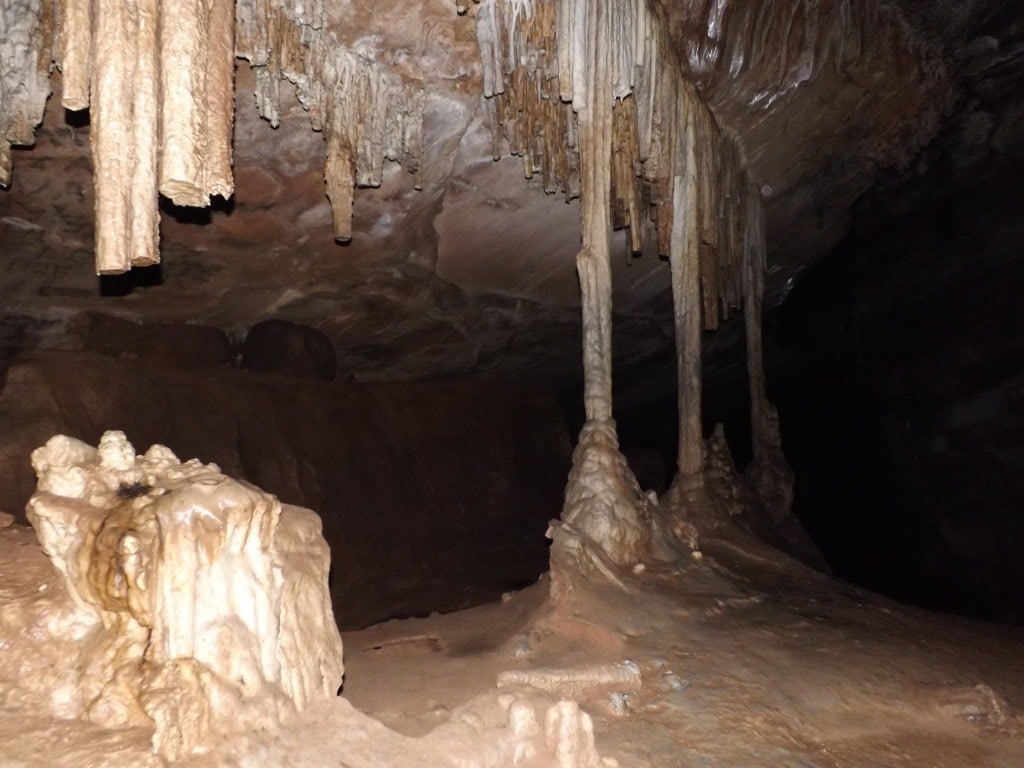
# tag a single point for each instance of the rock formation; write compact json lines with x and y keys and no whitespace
{"x":202,"y":603}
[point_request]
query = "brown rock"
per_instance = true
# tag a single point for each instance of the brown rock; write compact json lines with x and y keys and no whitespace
{"x":289,"y":349}
{"x":179,"y":345}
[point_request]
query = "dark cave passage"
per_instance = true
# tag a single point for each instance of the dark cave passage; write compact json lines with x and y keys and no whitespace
{"x":897,"y":364}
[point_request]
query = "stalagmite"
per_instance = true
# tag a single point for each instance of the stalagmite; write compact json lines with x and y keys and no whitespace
{"x":203,"y":608}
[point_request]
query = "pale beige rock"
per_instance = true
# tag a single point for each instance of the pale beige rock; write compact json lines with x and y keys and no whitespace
{"x":26,"y":31}
{"x":141,"y":195}
{"x":569,"y":736}
{"x":184,"y":45}
{"x":76,"y":53}
{"x":574,"y":683}
{"x":111,"y":134}
{"x":603,"y":500}
{"x":207,"y":600}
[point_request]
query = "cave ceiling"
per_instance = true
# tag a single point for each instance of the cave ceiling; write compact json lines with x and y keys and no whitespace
{"x":473,"y":271}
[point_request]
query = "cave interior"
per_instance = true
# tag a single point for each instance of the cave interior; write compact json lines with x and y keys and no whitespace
{"x":723,"y":294}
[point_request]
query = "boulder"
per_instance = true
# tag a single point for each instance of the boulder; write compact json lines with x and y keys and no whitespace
{"x":289,"y":349}
{"x":181,"y":345}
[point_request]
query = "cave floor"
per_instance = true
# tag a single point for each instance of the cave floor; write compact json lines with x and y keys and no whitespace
{"x":745,"y":658}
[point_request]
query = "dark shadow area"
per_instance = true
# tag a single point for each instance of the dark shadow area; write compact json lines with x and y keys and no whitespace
{"x":897,"y":364}
{"x":186,"y":214}
{"x":77,"y":118}
{"x":125,"y":283}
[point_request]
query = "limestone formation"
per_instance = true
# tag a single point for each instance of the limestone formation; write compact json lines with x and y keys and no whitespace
{"x":205,"y":600}
{"x":642,"y":149}
{"x":26,"y":30}
{"x":368,"y":112}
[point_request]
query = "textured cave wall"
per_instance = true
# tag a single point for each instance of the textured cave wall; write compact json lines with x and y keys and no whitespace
{"x":899,"y":373}
{"x":434,"y":495}
{"x":898,"y":361}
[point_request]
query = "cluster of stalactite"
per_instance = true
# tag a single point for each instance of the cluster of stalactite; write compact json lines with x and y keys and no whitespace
{"x":534,"y":77}
{"x":158,"y":79}
{"x":592,"y":95}
{"x":26,"y":32}
{"x":368,"y":113}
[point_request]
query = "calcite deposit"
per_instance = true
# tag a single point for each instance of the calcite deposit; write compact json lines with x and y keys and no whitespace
{"x":201,"y":603}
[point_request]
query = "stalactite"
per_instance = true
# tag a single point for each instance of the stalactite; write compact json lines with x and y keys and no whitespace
{"x":220,"y":98}
{"x":341,"y":181}
{"x":6,"y":163}
{"x":26,"y":32}
{"x":197,"y":83}
{"x":593,"y":261}
{"x":369,"y":114}
{"x":111,"y":135}
{"x":144,"y":213}
{"x":76,"y":53}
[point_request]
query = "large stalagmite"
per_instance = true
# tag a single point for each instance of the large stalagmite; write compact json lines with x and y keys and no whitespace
{"x":203,"y":602}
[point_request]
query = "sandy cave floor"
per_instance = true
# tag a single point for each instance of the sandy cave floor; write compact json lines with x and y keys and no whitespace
{"x":746,"y":659}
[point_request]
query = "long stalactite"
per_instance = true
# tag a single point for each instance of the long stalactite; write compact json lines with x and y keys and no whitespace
{"x":26,"y":38}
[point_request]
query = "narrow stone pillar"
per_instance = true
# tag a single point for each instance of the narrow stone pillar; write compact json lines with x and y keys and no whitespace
{"x":684,"y":257}
{"x":769,"y":472}
{"x":753,"y":290}
{"x":602,"y":500}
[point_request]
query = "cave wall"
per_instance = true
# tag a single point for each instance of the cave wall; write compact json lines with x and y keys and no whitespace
{"x":898,"y":367}
{"x":434,"y":495}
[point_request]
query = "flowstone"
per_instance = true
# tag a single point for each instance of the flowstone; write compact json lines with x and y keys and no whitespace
{"x":206,"y":598}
